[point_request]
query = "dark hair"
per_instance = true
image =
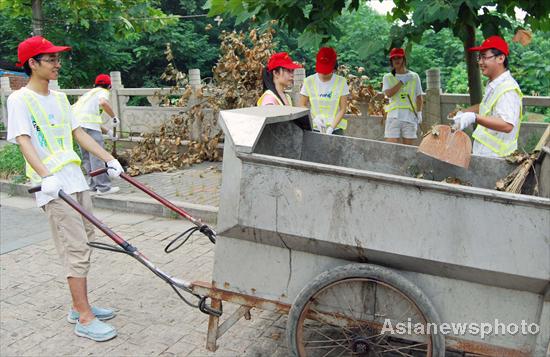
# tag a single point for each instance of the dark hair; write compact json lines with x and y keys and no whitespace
{"x":498,"y":53}
{"x":393,"y":69}
{"x":267,"y":80}
{"x":105,"y":86}
{"x":27,"y":68}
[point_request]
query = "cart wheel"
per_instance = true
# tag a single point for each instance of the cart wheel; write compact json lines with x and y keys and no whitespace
{"x":344,"y":311}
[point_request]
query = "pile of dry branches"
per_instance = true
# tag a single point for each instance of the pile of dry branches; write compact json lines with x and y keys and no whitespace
{"x":238,"y":83}
{"x":361,"y":93}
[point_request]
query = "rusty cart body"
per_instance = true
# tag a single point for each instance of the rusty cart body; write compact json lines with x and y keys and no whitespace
{"x":339,"y":233}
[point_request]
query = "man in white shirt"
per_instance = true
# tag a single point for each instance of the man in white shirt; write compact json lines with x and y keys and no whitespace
{"x":498,"y":116}
{"x":88,"y":111}
{"x":40,"y":121}
{"x":326,"y":94}
{"x":404,"y":111}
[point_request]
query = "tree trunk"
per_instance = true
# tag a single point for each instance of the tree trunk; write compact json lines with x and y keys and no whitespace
{"x":37,"y":18}
{"x":474,"y":79}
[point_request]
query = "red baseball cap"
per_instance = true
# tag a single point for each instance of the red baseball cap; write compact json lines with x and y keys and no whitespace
{"x":103,"y":79}
{"x":397,"y":52}
{"x":326,"y":60}
{"x":35,"y":46}
{"x":495,"y":42}
{"x":281,"y":59}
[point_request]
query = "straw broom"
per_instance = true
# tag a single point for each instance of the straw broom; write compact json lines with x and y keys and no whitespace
{"x":515,"y":180}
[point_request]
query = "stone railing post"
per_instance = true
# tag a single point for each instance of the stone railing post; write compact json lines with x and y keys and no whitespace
{"x":299,"y":76}
{"x":432,"y":105}
{"x":195,"y":83}
{"x":5,"y":88}
{"x":196,"y":128}
{"x":117,"y":101}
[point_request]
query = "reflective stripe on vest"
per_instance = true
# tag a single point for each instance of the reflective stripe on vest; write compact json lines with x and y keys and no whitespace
{"x":92,"y":118}
{"x":268,"y":92}
{"x":325,"y":107}
{"x":501,"y":147}
{"x":399,"y":100}
{"x":58,"y":137}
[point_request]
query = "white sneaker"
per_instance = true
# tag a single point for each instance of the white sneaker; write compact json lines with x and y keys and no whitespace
{"x":113,"y":189}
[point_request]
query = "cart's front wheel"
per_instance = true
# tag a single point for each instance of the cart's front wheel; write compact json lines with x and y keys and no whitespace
{"x":362,"y":310}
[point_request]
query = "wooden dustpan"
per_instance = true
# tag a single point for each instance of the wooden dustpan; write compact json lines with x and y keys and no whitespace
{"x":442,"y":143}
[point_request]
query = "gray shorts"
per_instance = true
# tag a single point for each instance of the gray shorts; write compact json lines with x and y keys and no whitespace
{"x":396,"y":128}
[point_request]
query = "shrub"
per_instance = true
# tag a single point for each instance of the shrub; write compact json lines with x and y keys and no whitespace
{"x":12,"y":163}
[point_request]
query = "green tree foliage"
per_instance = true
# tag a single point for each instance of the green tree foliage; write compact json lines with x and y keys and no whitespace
{"x":317,"y":20}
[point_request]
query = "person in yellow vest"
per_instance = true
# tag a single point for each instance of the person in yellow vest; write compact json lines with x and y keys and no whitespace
{"x":326,"y":94}
{"x":88,"y":111}
{"x":276,"y":77}
{"x":498,"y":116}
{"x":404,"y":111}
{"x":40,"y":121}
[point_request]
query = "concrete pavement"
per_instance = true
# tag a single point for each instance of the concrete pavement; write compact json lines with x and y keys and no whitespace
{"x":151,"y":320}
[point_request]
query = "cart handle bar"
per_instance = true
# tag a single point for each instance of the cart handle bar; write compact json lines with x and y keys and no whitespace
{"x":205,"y":229}
{"x":133,"y":251}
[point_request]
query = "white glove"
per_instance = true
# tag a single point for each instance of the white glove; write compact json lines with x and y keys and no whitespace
{"x":329,"y":131}
{"x":51,"y":186}
{"x":319,"y":124}
{"x":111,"y":135}
{"x":115,"y":120}
{"x":114,"y":168}
{"x":464,"y":120}
{"x":419,"y":116}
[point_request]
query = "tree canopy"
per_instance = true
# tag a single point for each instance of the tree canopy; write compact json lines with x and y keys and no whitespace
{"x":318,"y":20}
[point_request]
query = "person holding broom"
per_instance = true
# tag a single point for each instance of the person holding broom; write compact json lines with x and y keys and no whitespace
{"x":88,"y":111}
{"x":498,"y":116}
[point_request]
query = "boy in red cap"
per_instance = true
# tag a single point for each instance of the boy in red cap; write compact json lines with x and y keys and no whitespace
{"x":404,"y":112}
{"x":88,"y":110}
{"x":277,"y":76}
{"x":326,"y":94}
{"x":40,"y":121}
{"x":498,"y":116}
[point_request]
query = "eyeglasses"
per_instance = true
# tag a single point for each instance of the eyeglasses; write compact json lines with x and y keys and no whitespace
{"x":51,"y":60}
{"x":484,"y":58}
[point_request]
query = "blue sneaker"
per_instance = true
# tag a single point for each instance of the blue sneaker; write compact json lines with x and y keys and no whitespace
{"x":95,"y":330}
{"x":100,"y":313}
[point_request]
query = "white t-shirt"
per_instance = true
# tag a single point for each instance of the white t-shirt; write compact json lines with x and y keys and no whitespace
{"x":325,"y":88}
{"x":21,"y":122}
{"x":91,"y":106}
{"x":507,"y":107}
{"x":400,"y":113}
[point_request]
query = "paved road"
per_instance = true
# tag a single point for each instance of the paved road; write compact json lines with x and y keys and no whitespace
{"x":151,"y":320}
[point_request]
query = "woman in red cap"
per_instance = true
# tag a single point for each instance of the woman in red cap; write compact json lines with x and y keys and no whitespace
{"x":326,"y":94}
{"x":277,"y":76}
{"x":404,"y":112}
{"x":40,"y":121}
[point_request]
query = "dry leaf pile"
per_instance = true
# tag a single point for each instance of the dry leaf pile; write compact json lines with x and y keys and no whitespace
{"x":361,"y":93}
{"x":238,"y":83}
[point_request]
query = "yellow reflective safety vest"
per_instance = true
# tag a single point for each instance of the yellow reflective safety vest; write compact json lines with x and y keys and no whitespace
{"x":399,"y":100}
{"x":325,"y":107}
{"x":269,"y":92}
{"x":493,"y":139}
{"x":92,"y":118}
{"x":57,"y":137}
